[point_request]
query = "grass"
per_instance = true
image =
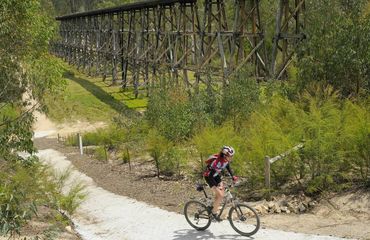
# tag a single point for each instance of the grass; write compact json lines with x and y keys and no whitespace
{"x":91,"y":99}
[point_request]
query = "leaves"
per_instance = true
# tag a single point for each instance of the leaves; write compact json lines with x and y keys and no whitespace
{"x":337,"y":50}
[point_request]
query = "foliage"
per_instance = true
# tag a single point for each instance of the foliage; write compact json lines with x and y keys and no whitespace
{"x":169,"y":159}
{"x":334,"y":139}
{"x":172,"y":161}
{"x":101,"y":153}
{"x":240,"y":98}
{"x":322,"y":133}
{"x":26,"y":70}
{"x":25,"y":185}
{"x":272,"y":129}
{"x":357,"y":138}
{"x":69,"y":202}
{"x":170,"y":111}
{"x":62,"y":199}
{"x":337,"y":51}
{"x":157,"y":146}
{"x":17,"y":201}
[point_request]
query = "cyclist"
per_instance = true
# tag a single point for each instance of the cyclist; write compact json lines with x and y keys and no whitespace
{"x":215,"y":165}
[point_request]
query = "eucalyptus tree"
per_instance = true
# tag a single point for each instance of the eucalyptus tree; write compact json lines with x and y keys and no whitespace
{"x":337,"y":51}
{"x":27,"y":71}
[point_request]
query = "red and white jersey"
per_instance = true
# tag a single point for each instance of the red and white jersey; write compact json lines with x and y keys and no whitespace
{"x":215,"y":165}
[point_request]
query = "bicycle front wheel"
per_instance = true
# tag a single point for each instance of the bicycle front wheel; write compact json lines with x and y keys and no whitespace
{"x":196,"y":215}
{"x":244,"y":220}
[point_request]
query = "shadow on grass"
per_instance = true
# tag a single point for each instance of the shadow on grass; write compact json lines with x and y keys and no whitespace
{"x":101,"y":95}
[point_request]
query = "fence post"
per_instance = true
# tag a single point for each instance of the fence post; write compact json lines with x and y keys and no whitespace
{"x":79,"y":137}
{"x":267,"y":172}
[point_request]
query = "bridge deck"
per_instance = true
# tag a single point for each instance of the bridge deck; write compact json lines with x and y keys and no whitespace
{"x":125,"y":7}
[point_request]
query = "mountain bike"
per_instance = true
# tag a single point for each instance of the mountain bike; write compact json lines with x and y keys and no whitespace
{"x":243,"y":218}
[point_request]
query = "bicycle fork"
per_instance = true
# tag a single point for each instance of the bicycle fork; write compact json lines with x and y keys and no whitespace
{"x":239,"y":213}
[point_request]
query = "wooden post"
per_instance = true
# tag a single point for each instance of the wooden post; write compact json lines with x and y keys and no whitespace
{"x":128,"y":158}
{"x":79,"y":137}
{"x":267,"y":172}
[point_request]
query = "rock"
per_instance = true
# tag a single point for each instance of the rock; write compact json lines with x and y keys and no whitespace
{"x":296,"y":210}
{"x":283,"y":203}
{"x":69,"y":229}
{"x":275,"y":209}
{"x":278,"y":210}
{"x":312,"y":204}
{"x":261,"y":209}
{"x":284,"y":209}
{"x":270,"y":204}
{"x":301,"y":207}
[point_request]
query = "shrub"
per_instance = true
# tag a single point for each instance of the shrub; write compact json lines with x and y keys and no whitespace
{"x":357,"y":138}
{"x":25,"y":185}
{"x":171,"y":113}
{"x":21,"y":189}
{"x":72,"y":199}
{"x":211,"y":139}
{"x":157,"y":146}
{"x":101,"y":153}
{"x":172,"y":161}
{"x":239,"y":99}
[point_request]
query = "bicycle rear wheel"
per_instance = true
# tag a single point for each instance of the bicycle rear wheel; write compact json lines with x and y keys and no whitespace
{"x":196,"y":215}
{"x":244,"y":220}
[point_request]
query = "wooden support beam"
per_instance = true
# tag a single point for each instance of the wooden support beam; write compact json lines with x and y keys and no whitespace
{"x":135,"y":43}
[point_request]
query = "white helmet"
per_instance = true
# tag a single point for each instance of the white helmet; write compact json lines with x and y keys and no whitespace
{"x":228,"y":151}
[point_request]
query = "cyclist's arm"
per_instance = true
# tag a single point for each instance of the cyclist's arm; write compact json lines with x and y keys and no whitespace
{"x":229,"y":170}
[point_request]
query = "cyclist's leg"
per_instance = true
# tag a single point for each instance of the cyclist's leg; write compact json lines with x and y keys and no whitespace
{"x":212,"y":184}
{"x":219,"y":194}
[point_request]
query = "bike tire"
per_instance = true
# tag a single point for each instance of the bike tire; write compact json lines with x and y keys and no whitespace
{"x":244,"y":212}
{"x":200,"y":214}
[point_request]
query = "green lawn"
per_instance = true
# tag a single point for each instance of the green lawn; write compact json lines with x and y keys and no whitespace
{"x":91,"y":99}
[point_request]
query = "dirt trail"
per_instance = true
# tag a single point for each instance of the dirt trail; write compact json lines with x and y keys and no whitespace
{"x":43,"y":127}
{"x":96,"y":219}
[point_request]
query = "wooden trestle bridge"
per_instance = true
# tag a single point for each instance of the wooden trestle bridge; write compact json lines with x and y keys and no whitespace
{"x":187,"y":41}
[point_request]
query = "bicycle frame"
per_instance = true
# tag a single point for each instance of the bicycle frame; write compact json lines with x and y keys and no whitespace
{"x":228,"y":197}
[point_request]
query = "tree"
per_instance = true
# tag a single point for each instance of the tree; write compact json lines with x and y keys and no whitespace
{"x":337,"y":50}
{"x":27,"y":71}
{"x":240,"y":98}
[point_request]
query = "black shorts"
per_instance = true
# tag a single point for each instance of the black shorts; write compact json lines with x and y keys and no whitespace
{"x":213,"y":181}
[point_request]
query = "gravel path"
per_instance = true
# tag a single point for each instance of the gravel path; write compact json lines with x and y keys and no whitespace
{"x":108,"y":216}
